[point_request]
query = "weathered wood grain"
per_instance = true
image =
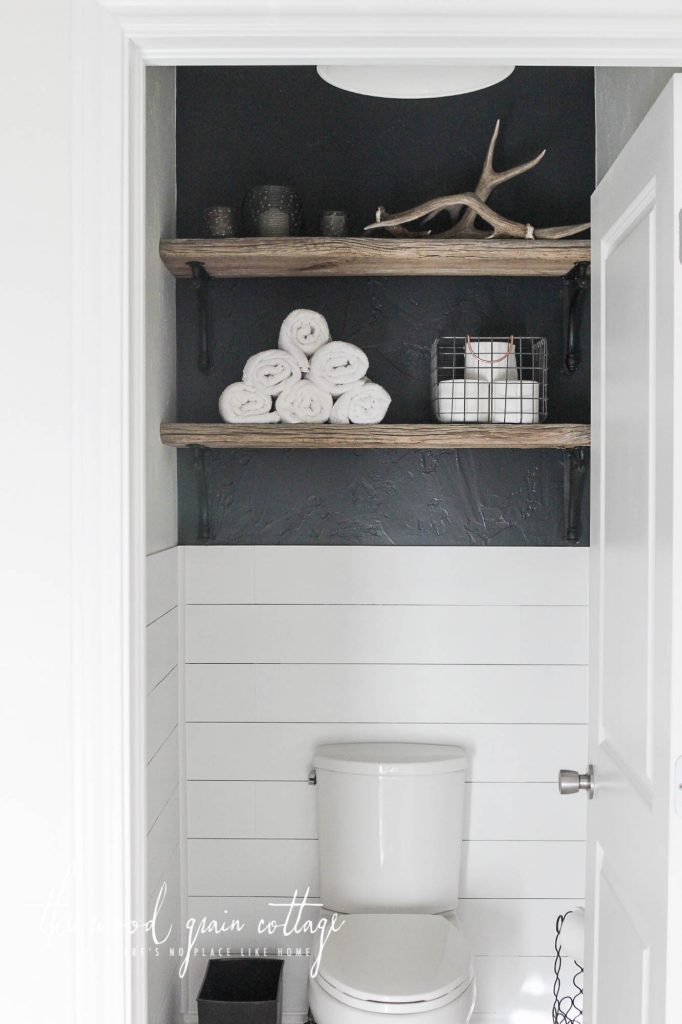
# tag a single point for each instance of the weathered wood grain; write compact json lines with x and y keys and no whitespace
{"x":355,"y":257}
{"x":384,"y":435}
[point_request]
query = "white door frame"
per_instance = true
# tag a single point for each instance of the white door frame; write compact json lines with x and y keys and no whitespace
{"x":114,"y":40}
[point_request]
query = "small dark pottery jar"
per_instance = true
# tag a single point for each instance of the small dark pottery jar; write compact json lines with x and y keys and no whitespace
{"x":334,"y":223}
{"x":265,"y":208}
{"x":220,"y":221}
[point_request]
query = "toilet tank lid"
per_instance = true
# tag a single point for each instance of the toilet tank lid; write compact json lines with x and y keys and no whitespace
{"x":389,"y":759}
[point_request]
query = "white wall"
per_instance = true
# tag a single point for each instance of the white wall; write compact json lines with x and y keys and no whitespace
{"x":622,"y":97}
{"x":287,"y":647}
{"x":161,"y":463}
{"x":162,"y":771}
{"x":162,"y":764}
{"x":36,"y":788}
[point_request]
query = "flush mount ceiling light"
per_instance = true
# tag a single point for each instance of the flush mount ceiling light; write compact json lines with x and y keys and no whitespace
{"x":412,"y":81}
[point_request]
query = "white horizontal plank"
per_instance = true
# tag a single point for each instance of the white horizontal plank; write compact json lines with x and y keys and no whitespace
{"x":227,"y":810}
{"x":253,"y":920}
{"x":219,"y":575}
{"x":162,"y":647}
{"x":386,"y":693}
{"x":522,"y":810}
{"x":523,"y":870}
{"x":162,"y":842}
{"x":162,"y":712}
{"x":493,"y":927}
{"x":497,"y":753}
{"x":286,"y":810}
{"x":554,"y":636}
{"x":162,"y":582}
{"x":251,"y":867}
{"x":420,"y":575}
{"x":511,"y":927}
{"x":494,"y":870}
{"x":258,"y":810}
{"x":350,"y":634}
{"x":162,"y":777}
{"x":519,"y":986}
{"x":308,"y":574}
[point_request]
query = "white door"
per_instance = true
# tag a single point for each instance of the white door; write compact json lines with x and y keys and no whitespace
{"x":634,"y":882}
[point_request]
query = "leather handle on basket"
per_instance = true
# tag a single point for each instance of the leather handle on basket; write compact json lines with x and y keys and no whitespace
{"x":491,"y":362}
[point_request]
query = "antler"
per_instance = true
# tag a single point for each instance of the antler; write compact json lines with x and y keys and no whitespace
{"x":475,"y":205}
{"x":502,"y":227}
{"x":489,"y":180}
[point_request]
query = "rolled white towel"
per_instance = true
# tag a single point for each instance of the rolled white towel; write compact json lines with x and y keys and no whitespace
{"x":365,"y":403}
{"x":240,"y":403}
{"x":303,"y":332}
{"x":338,"y":366}
{"x":304,"y":402}
{"x":271,"y":371}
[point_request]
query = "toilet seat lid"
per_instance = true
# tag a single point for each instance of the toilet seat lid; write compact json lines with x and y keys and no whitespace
{"x":396,"y":958}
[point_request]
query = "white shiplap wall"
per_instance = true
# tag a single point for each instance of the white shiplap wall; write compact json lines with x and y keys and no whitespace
{"x":163,"y":776}
{"x":161,"y":529}
{"x":287,"y":647}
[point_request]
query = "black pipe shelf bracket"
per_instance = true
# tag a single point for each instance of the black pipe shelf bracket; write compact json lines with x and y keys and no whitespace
{"x":201,"y":282}
{"x":579,"y":281}
{"x":575,"y":474}
{"x":201,"y":456}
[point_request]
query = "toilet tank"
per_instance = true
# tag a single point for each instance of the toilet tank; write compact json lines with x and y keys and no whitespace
{"x":389,"y":818}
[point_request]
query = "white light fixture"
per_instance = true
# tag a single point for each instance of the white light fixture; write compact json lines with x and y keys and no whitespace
{"x":412,"y":81}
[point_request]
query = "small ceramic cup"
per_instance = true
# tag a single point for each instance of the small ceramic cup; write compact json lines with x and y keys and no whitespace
{"x":334,"y":223}
{"x":220,"y":221}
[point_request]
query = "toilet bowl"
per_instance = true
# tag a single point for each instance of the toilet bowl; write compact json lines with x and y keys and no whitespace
{"x":390,"y":828}
{"x":417,"y":966}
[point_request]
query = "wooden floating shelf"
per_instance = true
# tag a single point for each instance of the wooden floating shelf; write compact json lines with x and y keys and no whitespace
{"x":384,"y":435}
{"x":356,"y":257}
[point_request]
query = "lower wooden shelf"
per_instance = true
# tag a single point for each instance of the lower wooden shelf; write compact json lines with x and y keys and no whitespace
{"x":383,"y":435}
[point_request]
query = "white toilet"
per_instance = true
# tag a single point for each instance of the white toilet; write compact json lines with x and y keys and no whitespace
{"x":390,"y":830}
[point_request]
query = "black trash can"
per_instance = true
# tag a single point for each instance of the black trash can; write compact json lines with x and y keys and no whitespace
{"x":242,"y":990}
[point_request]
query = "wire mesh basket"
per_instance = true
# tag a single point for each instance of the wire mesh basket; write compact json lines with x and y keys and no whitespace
{"x":489,"y":380}
{"x":568,"y":983}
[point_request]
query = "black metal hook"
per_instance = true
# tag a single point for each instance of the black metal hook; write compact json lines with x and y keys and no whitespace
{"x":200,"y":460}
{"x":575,"y":472}
{"x":200,"y":279}
{"x":579,"y":279}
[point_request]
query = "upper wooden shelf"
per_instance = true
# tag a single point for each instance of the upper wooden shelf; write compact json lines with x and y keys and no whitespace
{"x":356,"y":257}
{"x":384,"y":435}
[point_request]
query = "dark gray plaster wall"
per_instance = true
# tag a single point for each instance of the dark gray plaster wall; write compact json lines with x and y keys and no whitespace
{"x":623,"y":96}
{"x":240,"y":126}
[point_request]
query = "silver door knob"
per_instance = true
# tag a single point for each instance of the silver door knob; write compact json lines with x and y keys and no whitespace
{"x":572,"y":782}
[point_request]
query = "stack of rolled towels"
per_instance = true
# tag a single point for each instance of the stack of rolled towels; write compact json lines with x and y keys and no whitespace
{"x":491,"y":390}
{"x":308,"y":377}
